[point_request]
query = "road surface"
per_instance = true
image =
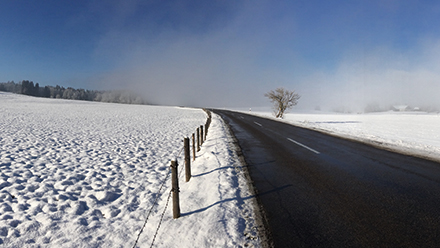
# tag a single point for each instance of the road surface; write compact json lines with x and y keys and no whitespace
{"x":322,"y":191}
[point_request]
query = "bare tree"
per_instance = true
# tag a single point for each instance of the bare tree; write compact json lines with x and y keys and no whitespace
{"x":282,"y":100}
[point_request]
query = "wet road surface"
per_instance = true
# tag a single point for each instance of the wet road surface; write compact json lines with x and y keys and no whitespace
{"x":322,"y":191}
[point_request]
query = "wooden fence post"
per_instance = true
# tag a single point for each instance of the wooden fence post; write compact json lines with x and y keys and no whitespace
{"x":187,"y":159}
{"x":175,"y":189}
{"x":201,"y":134}
{"x":194,"y":147}
{"x":198,"y":139}
{"x":208,"y":122}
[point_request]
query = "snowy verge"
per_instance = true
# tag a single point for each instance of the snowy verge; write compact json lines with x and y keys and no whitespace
{"x":411,"y":133}
{"x":216,"y":204}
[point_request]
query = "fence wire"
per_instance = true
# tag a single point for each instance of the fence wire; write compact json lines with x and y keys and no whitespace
{"x":154,"y":204}
{"x":161,"y":218}
{"x":169,"y":195}
{"x":152,"y":207}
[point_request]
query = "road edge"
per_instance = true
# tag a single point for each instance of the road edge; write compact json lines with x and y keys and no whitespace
{"x":263,"y":229}
{"x":380,"y":145}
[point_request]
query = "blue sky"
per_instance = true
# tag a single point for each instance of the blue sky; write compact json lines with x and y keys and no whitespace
{"x":229,"y":53}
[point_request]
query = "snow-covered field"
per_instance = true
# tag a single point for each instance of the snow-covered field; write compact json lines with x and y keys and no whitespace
{"x":86,"y":174}
{"x":416,"y":133}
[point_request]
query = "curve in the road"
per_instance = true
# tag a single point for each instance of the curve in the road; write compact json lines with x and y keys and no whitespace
{"x":322,"y":191}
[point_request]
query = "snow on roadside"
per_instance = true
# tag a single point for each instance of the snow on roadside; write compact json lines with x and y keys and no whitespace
{"x":216,"y":204}
{"x":415,"y":133}
{"x":85,"y":174}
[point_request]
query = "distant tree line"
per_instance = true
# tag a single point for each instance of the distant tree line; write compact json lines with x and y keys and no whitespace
{"x":375,"y":107}
{"x":26,"y":87}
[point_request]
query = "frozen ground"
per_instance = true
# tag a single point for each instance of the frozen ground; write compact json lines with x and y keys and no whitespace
{"x":86,"y":174}
{"x":416,"y":133}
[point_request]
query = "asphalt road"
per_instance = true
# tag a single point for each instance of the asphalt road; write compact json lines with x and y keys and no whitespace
{"x":322,"y":191}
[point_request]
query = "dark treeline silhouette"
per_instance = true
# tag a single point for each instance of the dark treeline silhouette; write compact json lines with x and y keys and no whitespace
{"x":26,"y":87}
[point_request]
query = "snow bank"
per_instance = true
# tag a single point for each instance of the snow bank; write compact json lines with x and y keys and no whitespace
{"x":85,"y":174}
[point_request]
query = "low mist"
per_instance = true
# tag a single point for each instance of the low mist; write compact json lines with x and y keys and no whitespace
{"x":380,"y":78}
{"x":216,"y":67}
{"x":238,"y":58}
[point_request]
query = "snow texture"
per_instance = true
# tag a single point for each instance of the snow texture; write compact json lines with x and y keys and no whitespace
{"x":86,"y":174}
